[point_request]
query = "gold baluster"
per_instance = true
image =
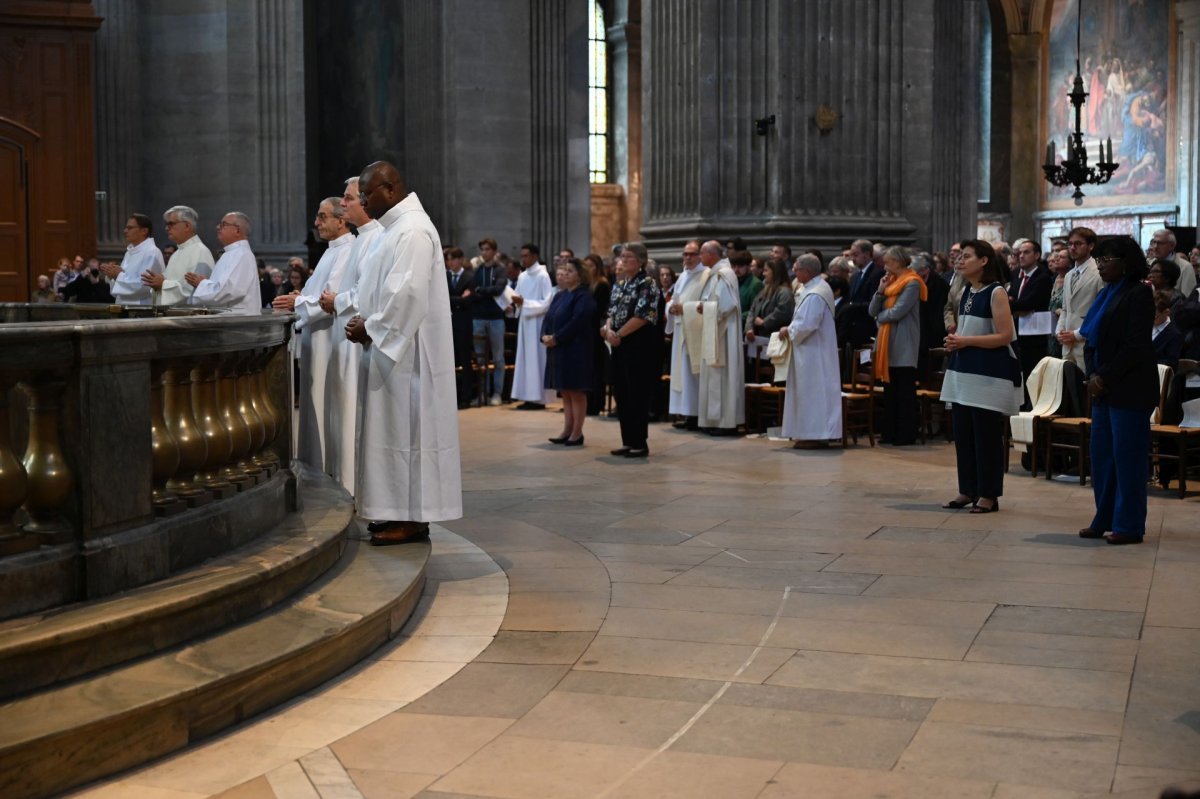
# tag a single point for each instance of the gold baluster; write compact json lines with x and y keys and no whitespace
{"x":244,"y":364}
{"x":257,"y":363}
{"x":50,"y":481}
{"x":269,"y":406}
{"x":216,"y":436}
{"x":189,"y":440}
{"x":13,"y":486}
{"x":164,"y":451}
{"x":239,"y":434}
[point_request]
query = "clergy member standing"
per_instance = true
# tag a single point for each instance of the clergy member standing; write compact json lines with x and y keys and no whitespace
{"x":409,"y":473}
{"x":685,"y":366}
{"x":234,"y":280}
{"x":315,"y":327}
{"x":341,"y":382}
{"x":533,"y":299}
{"x":190,"y":256}
{"x":722,"y":405}
{"x":141,"y":256}
{"x":812,"y":406}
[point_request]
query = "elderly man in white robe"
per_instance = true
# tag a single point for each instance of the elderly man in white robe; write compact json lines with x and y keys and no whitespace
{"x":812,"y":407}
{"x":141,"y":256}
{"x":722,"y":402}
{"x":534,"y":292}
{"x":191,"y":255}
{"x":341,"y":382}
{"x":315,"y":327}
{"x":233,"y":284}
{"x":685,"y":349}
{"x":409,"y":470}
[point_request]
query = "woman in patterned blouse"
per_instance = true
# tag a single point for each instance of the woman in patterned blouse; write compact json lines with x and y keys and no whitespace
{"x":632,"y":332}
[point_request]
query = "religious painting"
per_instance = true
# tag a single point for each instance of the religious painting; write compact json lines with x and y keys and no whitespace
{"x":1127,"y":60}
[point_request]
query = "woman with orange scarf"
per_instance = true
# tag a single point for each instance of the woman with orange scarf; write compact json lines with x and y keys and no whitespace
{"x":896,"y":307}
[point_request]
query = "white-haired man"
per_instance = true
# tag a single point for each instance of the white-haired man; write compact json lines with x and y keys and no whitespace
{"x":190,"y":256}
{"x":685,"y":347}
{"x":233,"y":283}
{"x":1162,"y":248}
{"x":722,"y":403}
{"x":812,"y":409}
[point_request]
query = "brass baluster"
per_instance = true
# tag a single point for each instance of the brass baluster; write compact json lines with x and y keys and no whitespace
{"x":50,"y":481}
{"x":13,"y":486}
{"x":267,"y":408}
{"x":244,"y":365}
{"x":164,"y":451}
{"x":239,"y":434}
{"x":216,"y":437}
{"x":189,"y":440}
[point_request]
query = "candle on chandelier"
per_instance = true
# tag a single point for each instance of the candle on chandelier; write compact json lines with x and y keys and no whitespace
{"x":1109,"y":159}
{"x":1050,"y":153}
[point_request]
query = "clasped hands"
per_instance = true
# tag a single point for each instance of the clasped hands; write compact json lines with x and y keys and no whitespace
{"x":356,"y":331}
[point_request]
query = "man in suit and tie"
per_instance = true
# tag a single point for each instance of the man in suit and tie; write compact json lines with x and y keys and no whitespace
{"x":460,"y":278}
{"x":1080,"y":288}
{"x":860,"y":327}
{"x":1029,"y":293}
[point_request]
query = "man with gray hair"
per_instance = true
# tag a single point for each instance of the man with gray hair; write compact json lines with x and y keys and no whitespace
{"x":190,"y":256}
{"x":1162,"y":248}
{"x":722,"y":401}
{"x":860,"y":327}
{"x":812,"y":406}
{"x":233,"y":283}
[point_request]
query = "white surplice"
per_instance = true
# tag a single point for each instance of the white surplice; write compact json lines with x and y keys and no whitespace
{"x":722,"y":372}
{"x":190,"y":256}
{"x":233,"y":283}
{"x":316,"y":328}
{"x":408,"y":465}
{"x":685,"y":375}
{"x":529,"y":376}
{"x":127,"y":287}
{"x":341,"y":381}
{"x":812,"y":406}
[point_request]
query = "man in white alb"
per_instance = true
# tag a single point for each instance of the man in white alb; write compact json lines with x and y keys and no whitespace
{"x":190,"y":256}
{"x":722,"y":404}
{"x":341,"y":382}
{"x":234,"y":280}
{"x":812,"y":407}
{"x":534,"y":292}
{"x":685,"y":350}
{"x":315,"y":327}
{"x":409,"y":471}
{"x":141,"y":256}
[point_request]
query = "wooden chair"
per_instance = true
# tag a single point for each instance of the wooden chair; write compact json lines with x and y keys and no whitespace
{"x":1077,"y":432}
{"x":858,"y":398}
{"x":1172,"y":443}
{"x":929,"y":395}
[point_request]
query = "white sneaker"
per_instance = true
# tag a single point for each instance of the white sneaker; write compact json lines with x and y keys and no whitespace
{"x":495,"y":400}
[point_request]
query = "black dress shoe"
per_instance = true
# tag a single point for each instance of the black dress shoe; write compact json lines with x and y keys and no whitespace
{"x":1088,"y":532}
{"x":955,"y":504}
{"x":559,"y":440}
{"x":638,"y":453}
{"x":531,"y":406}
{"x":680,"y":425}
{"x":576,"y":443}
{"x":1119,"y":539}
{"x":621,"y":452}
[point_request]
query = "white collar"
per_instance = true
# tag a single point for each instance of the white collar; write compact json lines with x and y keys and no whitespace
{"x":342,"y":240}
{"x":237,"y":245}
{"x":191,"y":241}
{"x":135,"y":247}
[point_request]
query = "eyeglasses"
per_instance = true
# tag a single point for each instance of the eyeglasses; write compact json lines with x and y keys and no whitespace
{"x":223,"y":223}
{"x":132,"y":227}
{"x":1110,"y":259}
{"x":687,"y":254}
{"x":173,"y":224}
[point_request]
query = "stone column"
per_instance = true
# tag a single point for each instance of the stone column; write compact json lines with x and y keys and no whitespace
{"x":118,"y":80}
{"x":1028,"y":146}
{"x":1187,"y":14}
{"x":624,"y":39}
{"x":847,"y":155}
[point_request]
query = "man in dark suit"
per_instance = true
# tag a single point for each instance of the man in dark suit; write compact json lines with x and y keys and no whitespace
{"x":1028,"y":293}
{"x":933,"y":323}
{"x":1168,"y":340}
{"x":460,"y":279}
{"x":860,"y":327}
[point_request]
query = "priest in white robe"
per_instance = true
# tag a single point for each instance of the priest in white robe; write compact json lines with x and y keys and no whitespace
{"x":341,"y":382}
{"x":812,"y":406}
{"x":233,"y":284}
{"x":722,"y":402}
{"x":315,"y":328}
{"x":409,"y":471}
{"x":534,"y":292}
{"x":141,"y":256}
{"x":191,"y":255}
{"x":685,"y":348}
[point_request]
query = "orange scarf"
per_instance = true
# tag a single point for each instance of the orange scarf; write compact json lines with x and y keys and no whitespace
{"x":891,"y":293}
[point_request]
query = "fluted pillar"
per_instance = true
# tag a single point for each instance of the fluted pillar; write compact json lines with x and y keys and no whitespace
{"x":624,"y":40}
{"x":1028,"y":148}
{"x":1187,"y":15}
{"x":118,"y":109}
{"x":845,"y":157}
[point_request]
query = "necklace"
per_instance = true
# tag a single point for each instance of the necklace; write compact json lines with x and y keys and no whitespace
{"x":971,"y":297}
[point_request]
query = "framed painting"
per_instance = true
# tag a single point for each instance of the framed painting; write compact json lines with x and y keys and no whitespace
{"x":1127,"y":60}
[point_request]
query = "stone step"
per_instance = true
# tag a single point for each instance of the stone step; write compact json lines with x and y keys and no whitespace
{"x":53,"y":647}
{"x":72,"y":734}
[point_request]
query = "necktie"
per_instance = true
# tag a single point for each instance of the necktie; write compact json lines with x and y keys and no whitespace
{"x":1074,"y":279}
{"x":1024,"y":280}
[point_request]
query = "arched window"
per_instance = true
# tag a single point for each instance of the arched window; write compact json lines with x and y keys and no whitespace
{"x":597,"y":97}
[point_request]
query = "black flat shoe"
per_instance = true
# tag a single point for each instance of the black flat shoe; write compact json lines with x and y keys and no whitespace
{"x":638,"y":453}
{"x":620,"y":453}
{"x":1118,"y":540}
{"x":955,"y":504}
{"x":995,"y":506}
{"x":576,"y":443}
{"x":560,"y":440}
{"x":1088,"y":532}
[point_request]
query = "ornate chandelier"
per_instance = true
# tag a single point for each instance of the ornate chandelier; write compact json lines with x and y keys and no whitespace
{"x":1074,"y":170}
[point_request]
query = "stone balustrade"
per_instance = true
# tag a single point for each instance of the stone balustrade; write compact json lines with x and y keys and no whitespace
{"x":131,"y":448}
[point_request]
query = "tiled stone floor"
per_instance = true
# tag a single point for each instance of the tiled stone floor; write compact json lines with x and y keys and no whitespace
{"x":733,"y":618}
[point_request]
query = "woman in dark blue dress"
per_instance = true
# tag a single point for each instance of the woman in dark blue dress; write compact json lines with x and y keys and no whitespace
{"x":567,"y":334}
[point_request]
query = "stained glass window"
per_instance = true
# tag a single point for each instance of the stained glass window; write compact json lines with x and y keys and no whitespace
{"x":597,"y":97}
